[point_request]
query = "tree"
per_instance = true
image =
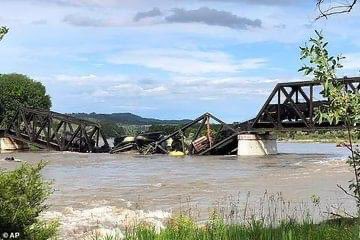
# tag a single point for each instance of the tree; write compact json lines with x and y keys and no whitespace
{"x":329,"y":7}
{"x":17,"y":91}
{"x":343,"y":105}
{"x":111,"y":129}
{"x":3,"y":31}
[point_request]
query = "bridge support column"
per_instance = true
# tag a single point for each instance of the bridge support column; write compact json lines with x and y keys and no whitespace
{"x":256,"y":145}
{"x":10,"y":144}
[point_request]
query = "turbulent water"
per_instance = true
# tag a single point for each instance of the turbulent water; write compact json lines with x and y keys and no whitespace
{"x":103,"y":191}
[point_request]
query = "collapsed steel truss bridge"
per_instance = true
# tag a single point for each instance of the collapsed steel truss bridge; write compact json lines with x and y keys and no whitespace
{"x":51,"y":130}
{"x":290,"y":107}
{"x":204,"y":141}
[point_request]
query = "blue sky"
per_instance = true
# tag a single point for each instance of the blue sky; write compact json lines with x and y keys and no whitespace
{"x":166,"y":59}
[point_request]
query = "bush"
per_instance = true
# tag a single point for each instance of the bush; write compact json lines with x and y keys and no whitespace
{"x":23,"y":192}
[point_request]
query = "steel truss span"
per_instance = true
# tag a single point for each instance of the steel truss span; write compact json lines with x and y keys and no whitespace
{"x":293,"y":106}
{"x":55,"y":131}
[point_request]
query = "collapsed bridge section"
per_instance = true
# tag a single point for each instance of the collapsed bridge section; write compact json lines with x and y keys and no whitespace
{"x":56,"y":131}
{"x":206,"y":134}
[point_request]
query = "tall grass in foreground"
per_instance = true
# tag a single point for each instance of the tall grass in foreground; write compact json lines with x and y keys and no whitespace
{"x":184,"y":228}
{"x":270,"y":218}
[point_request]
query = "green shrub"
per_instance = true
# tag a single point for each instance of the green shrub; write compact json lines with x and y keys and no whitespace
{"x":23,"y":192}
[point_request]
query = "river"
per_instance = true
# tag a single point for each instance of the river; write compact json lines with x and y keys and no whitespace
{"x":109,"y":187}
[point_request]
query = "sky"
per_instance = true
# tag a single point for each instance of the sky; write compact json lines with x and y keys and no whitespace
{"x":167,"y":59}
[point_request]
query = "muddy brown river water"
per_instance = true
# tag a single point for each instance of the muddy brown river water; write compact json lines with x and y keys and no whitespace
{"x":102,"y":190}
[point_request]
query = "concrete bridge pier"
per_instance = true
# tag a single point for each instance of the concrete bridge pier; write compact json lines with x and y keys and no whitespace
{"x":7,"y":144}
{"x":253,"y":144}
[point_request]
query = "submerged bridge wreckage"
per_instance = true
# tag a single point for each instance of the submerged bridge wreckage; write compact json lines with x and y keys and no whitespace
{"x":198,"y":137}
{"x":290,"y":107}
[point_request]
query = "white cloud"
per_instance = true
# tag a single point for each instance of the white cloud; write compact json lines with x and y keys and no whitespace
{"x":133,"y":107}
{"x":188,"y":62}
{"x":75,"y":79}
{"x":101,"y":93}
{"x":204,"y":88}
{"x":208,"y":98}
{"x":352,"y":61}
{"x":84,"y":21}
{"x":137,"y":89}
{"x":156,"y":90}
{"x":87,"y":79}
{"x":209,"y":88}
{"x":252,"y":63}
{"x":88,"y":3}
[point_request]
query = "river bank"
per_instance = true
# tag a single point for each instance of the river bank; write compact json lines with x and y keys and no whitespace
{"x":323,"y":136}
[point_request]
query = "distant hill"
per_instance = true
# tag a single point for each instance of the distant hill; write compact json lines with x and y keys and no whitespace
{"x":126,"y":119}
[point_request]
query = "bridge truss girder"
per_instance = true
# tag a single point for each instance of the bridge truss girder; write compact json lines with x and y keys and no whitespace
{"x":293,"y":106}
{"x":55,"y":131}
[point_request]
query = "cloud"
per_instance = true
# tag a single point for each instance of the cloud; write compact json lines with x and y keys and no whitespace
{"x":280,"y":26}
{"x":222,"y":87}
{"x":81,"y":3}
{"x":119,"y":3}
{"x":260,"y":2}
{"x":87,"y":79}
{"x":174,"y":87}
{"x":104,"y":86}
{"x":188,"y":62}
{"x":73,"y":80}
{"x":203,"y":15}
{"x":83,"y":21}
{"x":352,"y":61}
{"x":152,"y":13}
{"x":39,"y":22}
{"x":252,"y":63}
{"x":101,"y":93}
{"x":213,"y":17}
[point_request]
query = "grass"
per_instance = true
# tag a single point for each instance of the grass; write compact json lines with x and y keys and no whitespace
{"x":272,"y":218}
{"x":184,"y":228}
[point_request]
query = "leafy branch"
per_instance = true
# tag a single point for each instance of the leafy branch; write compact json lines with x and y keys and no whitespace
{"x":343,"y":106}
{"x":3,"y":32}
